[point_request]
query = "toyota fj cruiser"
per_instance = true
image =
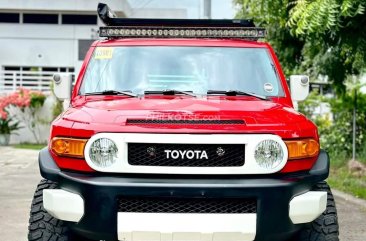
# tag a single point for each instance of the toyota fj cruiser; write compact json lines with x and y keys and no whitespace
{"x":182,"y":130}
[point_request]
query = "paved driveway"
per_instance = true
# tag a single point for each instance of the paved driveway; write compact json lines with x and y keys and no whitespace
{"x":19,"y":176}
{"x":18,"y":179}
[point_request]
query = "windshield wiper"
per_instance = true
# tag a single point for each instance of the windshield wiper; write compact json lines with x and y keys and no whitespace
{"x":235,"y":93}
{"x":113,"y":92}
{"x":169,"y":92}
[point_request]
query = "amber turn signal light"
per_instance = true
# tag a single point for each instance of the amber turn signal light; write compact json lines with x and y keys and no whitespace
{"x":304,"y":148}
{"x":69,"y":147}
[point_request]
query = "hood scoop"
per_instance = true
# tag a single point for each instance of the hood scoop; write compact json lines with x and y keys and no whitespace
{"x":179,"y":122}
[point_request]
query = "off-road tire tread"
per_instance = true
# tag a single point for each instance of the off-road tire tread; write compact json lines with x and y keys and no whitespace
{"x":42,"y":226}
{"x":325,"y":227}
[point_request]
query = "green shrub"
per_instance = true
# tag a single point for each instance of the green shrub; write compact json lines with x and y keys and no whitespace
{"x":336,"y":128}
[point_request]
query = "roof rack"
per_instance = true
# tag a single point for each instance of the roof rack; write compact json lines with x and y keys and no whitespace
{"x":175,"y":28}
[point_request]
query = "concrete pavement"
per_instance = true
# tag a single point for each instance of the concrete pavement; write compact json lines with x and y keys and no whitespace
{"x":19,"y":177}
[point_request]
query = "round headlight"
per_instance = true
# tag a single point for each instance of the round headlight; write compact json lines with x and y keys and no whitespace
{"x":268,"y":154}
{"x":103,"y":152}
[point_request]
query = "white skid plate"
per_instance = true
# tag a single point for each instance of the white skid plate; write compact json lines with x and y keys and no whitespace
{"x":306,"y":207}
{"x":186,"y":227}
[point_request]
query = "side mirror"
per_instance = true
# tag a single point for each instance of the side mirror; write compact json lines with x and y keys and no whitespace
{"x":62,"y":85}
{"x":299,"y":87}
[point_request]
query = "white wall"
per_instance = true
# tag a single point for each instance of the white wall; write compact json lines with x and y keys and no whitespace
{"x":41,"y":45}
{"x":48,"y":45}
{"x":158,"y":13}
{"x":62,"y":5}
{"x":56,"y":45}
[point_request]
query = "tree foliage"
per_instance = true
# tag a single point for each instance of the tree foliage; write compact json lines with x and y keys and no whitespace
{"x":317,"y":37}
{"x":320,"y":16}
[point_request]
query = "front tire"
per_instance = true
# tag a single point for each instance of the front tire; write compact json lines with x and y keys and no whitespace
{"x":42,"y":226}
{"x":325,"y":227}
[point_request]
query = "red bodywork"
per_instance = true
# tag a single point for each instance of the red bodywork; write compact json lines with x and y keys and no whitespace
{"x":89,"y":115}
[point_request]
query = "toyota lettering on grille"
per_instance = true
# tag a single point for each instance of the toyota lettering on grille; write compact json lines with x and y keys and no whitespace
{"x":186,"y":154}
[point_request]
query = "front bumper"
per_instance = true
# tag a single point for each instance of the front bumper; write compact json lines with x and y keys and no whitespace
{"x":100,"y":193}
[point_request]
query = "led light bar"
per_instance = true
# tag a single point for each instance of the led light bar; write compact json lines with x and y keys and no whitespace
{"x":175,"y":32}
{"x":175,"y":28}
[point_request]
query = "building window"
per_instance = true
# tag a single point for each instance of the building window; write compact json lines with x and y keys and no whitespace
{"x":9,"y":17}
{"x":84,"y":45}
{"x":39,"y":69}
{"x":11,"y":68}
{"x":40,"y":18}
{"x":79,"y":19}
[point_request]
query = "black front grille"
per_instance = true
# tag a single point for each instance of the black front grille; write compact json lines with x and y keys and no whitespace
{"x":186,"y":205}
{"x":147,"y":154}
{"x":192,"y":122}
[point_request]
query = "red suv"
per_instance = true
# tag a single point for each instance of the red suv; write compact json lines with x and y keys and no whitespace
{"x":182,"y":130}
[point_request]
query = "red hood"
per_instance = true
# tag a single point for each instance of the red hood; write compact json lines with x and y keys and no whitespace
{"x":110,"y":114}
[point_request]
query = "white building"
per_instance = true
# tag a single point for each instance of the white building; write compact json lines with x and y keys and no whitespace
{"x":50,"y":36}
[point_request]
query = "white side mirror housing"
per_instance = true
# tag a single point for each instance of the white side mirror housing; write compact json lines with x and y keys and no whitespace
{"x":299,"y":87}
{"x":62,"y":85}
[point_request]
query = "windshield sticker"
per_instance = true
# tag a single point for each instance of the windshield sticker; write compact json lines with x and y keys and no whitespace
{"x":268,"y":87}
{"x":103,"y":53}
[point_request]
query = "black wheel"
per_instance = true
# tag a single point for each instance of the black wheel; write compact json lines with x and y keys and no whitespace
{"x":44,"y":227}
{"x":325,"y":227}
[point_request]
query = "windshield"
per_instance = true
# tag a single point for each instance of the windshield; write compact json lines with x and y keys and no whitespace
{"x":197,"y":69}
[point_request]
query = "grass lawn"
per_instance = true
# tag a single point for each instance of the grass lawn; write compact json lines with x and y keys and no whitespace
{"x":30,"y":146}
{"x":341,"y":179}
